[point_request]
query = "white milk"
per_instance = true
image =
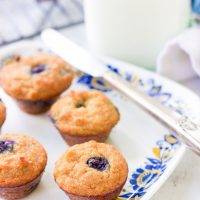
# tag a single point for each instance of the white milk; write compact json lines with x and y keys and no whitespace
{"x":134,"y":30}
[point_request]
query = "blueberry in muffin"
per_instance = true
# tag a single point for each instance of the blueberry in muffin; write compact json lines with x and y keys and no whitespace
{"x":91,"y":171}
{"x":22,"y":163}
{"x":36,"y":81}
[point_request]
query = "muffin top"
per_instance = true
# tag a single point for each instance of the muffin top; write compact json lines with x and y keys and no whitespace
{"x":40,"y":76}
{"x":2,"y":113}
{"x":84,"y":113}
{"x":91,"y":169}
{"x":22,"y":159}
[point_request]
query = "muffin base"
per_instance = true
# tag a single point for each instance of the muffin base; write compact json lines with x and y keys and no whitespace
{"x":21,"y":191}
{"x":35,"y":107}
{"x":74,"y":139}
{"x":109,"y":196}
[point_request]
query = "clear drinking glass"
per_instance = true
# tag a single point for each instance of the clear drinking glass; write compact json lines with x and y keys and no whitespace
{"x":134,"y":30}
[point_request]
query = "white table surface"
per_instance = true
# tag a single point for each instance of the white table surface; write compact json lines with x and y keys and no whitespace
{"x":184,"y":183}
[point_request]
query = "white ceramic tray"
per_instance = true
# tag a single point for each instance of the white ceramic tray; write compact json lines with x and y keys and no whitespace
{"x":151,"y":150}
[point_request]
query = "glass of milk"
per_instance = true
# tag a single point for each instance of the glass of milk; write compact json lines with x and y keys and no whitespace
{"x":134,"y":30}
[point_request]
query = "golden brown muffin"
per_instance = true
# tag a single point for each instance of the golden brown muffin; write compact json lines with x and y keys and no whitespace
{"x":35,"y":81}
{"x":2,"y":113}
{"x":22,"y":162}
{"x":83,"y":116}
{"x":91,"y":171}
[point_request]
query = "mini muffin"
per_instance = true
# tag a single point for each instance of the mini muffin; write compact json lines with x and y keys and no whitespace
{"x":83,"y":116}
{"x":2,"y":113}
{"x":22,"y":162}
{"x":36,"y":81}
{"x":91,"y":171}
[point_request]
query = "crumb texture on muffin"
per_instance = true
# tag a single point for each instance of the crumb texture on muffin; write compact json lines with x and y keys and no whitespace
{"x":22,"y":159}
{"x":37,"y":77}
{"x":84,"y":113}
{"x":75,"y":176}
{"x":2,"y":113}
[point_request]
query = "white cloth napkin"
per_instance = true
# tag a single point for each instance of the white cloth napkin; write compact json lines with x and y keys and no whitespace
{"x":180,"y":58}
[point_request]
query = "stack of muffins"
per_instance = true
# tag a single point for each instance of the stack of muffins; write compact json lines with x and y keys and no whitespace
{"x":90,"y":169}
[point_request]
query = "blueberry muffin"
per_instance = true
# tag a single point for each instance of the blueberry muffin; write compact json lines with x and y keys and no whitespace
{"x":36,"y":81}
{"x":2,"y":113}
{"x":91,"y":171}
{"x":22,"y":162}
{"x":83,"y":116}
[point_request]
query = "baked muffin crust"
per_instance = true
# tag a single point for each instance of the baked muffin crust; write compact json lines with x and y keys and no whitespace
{"x":84,"y":113}
{"x":74,"y":176}
{"x":40,"y":76}
{"x":22,"y":159}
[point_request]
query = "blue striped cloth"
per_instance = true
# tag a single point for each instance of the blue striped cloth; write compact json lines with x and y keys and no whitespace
{"x":196,"y":6}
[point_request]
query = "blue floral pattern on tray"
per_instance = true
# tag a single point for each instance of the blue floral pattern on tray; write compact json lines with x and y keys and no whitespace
{"x":149,"y":86}
{"x":144,"y":177}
